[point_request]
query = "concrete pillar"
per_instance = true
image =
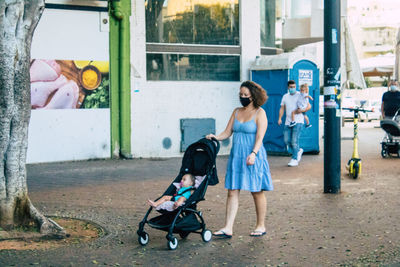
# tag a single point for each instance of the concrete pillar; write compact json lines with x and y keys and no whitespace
{"x":286,"y":7}
{"x":249,"y":35}
{"x":138,"y":42}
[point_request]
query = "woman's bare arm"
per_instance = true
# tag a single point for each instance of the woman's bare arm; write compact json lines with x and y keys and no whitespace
{"x":262,"y":124}
{"x":228,"y":130}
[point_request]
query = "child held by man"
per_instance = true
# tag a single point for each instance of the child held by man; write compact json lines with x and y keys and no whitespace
{"x":302,"y":103}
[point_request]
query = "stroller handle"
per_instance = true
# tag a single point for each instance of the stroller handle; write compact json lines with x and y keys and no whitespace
{"x":395,"y":115}
{"x":216,"y":143}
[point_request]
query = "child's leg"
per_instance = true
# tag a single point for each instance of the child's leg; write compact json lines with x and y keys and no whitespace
{"x":306,"y":119}
{"x":159,"y":202}
{"x":292,"y":123}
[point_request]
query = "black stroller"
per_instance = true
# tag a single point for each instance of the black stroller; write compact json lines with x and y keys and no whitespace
{"x":199,"y":159}
{"x":391,"y":141}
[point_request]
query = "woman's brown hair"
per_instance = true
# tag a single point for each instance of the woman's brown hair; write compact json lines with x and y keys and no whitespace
{"x":258,"y":94}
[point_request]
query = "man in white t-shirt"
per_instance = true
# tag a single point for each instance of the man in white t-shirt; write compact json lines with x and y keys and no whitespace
{"x":291,"y":134}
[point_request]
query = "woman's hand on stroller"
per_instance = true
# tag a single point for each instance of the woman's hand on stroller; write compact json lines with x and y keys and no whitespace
{"x":211,"y":136}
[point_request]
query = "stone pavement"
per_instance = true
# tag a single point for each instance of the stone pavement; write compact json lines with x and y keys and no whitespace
{"x":358,"y":227}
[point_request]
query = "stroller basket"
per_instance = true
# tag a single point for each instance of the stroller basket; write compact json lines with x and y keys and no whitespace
{"x":188,"y":223}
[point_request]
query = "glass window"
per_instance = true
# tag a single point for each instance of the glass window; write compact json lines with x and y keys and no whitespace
{"x":212,"y":22}
{"x":179,"y":67}
{"x":271,"y":23}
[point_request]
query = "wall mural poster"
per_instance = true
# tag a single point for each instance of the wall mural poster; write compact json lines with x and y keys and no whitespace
{"x":69,"y":84}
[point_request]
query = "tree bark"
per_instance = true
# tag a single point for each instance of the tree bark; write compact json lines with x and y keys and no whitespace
{"x":18,"y":20}
{"x":397,"y":60}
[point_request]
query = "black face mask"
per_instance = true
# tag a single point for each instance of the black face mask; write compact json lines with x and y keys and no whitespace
{"x":245,"y":101}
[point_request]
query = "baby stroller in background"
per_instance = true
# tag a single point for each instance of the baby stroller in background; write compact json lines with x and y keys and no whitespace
{"x":199,"y":159}
{"x":391,"y":141}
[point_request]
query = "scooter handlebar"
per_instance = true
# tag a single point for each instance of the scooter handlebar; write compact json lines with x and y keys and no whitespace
{"x":357,"y":109}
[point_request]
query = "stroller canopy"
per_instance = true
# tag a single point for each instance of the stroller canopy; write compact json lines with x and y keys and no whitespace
{"x":200,"y":159}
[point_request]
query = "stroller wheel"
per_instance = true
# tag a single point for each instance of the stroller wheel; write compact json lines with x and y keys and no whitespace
{"x":143,"y":239}
{"x":172,"y":245}
{"x":184,"y":234}
{"x":384,"y":153}
{"x":206,"y":235}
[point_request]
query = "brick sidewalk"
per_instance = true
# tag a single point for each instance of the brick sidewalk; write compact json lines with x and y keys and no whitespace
{"x":305,"y":227}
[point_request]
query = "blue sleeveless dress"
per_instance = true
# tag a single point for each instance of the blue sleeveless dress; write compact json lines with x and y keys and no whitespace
{"x":239,"y":175}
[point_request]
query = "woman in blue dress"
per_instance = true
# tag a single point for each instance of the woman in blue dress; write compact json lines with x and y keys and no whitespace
{"x":248,"y":167}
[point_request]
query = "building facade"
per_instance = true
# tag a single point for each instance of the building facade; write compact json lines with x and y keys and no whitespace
{"x":374,"y":25}
{"x":187,"y":60}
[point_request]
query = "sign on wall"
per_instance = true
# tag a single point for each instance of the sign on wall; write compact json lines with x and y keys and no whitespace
{"x":306,"y":76}
{"x":69,"y":84}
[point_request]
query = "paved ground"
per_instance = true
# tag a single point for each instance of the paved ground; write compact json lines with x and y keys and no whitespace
{"x":358,"y":227}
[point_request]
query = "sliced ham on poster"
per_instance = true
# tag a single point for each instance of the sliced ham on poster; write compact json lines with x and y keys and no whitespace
{"x":43,"y":70}
{"x":40,"y":91}
{"x":65,"y":97}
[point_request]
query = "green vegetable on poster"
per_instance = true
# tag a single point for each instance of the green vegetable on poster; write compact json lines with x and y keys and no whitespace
{"x":100,"y":97}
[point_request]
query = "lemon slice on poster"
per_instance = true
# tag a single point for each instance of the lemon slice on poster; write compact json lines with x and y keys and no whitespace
{"x":102,"y":66}
{"x":81,"y":63}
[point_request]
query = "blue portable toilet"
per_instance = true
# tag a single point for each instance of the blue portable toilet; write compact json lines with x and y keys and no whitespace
{"x":273,"y":73}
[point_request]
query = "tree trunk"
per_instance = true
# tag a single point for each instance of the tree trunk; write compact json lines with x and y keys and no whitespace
{"x":397,"y":60}
{"x":18,"y":20}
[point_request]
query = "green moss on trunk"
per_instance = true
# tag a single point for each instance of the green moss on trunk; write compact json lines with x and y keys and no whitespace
{"x":22,"y":213}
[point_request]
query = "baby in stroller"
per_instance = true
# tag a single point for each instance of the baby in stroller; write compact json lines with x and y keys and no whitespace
{"x":184,"y":189}
{"x":182,"y":217}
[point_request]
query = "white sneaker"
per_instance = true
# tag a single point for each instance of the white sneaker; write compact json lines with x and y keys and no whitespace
{"x":293,"y":163}
{"x":299,"y":154}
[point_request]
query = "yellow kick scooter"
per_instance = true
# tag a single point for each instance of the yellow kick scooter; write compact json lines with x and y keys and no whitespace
{"x":354,"y":164}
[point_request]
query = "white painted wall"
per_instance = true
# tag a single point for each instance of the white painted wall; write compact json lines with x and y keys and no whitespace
{"x":67,"y":134}
{"x":70,"y":34}
{"x":158,"y":106}
{"x":62,"y":135}
{"x":301,"y":8}
{"x":297,"y":28}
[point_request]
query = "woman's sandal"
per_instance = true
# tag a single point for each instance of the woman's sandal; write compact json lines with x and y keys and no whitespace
{"x":222,"y":234}
{"x":257,"y":233}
